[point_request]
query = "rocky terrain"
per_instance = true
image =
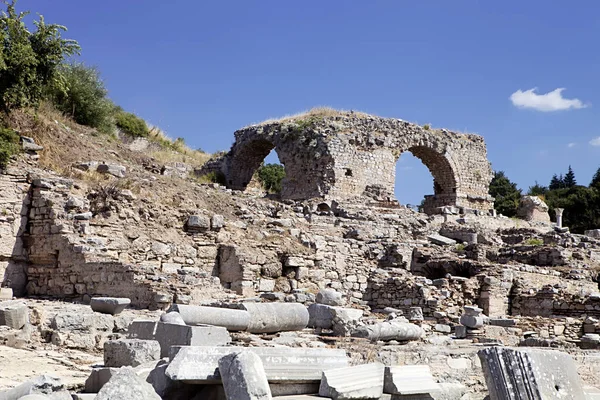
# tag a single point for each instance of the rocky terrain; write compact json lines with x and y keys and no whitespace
{"x":233,"y":280}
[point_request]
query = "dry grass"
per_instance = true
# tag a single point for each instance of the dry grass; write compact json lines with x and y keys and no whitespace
{"x":174,"y":150}
{"x":314,"y":112}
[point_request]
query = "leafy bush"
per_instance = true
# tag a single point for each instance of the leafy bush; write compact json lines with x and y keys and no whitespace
{"x":29,"y":60}
{"x":9,"y":145}
{"x":270,"y":176}
{"x":81,"y":94}
{"x":132,"y":124}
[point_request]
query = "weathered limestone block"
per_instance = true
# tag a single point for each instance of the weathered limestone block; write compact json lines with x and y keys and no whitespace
{"x":409,"y":380}
{"x":233,"y":320}
{"x":441,"y":240}
{"x":142,"y":329}
{"x":112,"y":169}
{"x":276,"y":317}
{"x":109,"y":305}
{"x":532,"y":208}
{"x":169,"y":335}
{"x":199,"y":364}
{"x":320,"y":316}
{"x":389,"y":330}
{"x":358,"y":382}
{"x":345,"y":320}
{"x":198,"y":223}
{"x":330,"y":297}
{"x":127,"y":385}
{"x":41,"y":385}
{"x":152,"y":372}
{"x":244,"y":377}
{"x":130,"y":352}
{"x":13,"y":314}
{"x":531,"y":374}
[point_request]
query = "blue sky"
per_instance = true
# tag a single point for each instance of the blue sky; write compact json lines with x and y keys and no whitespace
{"x":202,"y":69}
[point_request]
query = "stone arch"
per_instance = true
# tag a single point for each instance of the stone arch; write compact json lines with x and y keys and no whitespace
{"x":342,"y":155}
{"x":246,"y":160}
{"x":440,"y":167}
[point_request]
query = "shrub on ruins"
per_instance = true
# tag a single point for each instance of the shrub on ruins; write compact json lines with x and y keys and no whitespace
{"x":9,"y":145}
{"x":81,"y":95}
{"x":29,"y":61}
{"x":506,"y":194}
{"x":131,"y":124}
{"x":271,"y":176}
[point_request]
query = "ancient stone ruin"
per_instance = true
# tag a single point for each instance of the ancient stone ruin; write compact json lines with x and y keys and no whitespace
{"x":124,"y":280}
{"x":337,"y":156}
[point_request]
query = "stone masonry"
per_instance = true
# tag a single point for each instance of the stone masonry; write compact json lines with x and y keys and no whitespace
{"x":352,"y":154}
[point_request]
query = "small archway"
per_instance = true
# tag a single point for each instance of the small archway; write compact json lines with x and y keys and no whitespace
{"x":246,"y":161}
{"x":425,"y":163}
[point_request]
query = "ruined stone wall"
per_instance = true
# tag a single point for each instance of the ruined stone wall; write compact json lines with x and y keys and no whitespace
{"x":339,"y":157}
{"x":69,"y":254}
{"x":14,"y":207}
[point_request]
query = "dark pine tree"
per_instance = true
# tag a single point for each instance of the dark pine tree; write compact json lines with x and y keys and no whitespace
{"x":569,"y":180}
{"x":556,"y":182}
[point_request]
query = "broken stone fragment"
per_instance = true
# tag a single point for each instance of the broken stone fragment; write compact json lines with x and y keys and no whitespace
{"x":14,"y":314}
{"x":358,"y":382}
{"x":330,"y":297}
{"x":441,"y":240}
{"x":515,"y":374}
{"x":244,"y":377}
{"x":198,"y":223}
{"x":130,"y":352}
{"x":199,"y":364}
{"x":109,"y":305}
{"x":112,"y":169}
{"x":126,"y":384}
{"x":409,"y":380}
{"x":42,"y":385}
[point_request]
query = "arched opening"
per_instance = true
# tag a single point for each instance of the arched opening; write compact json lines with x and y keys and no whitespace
{"x":256,"y":166}
{"x":424,"y":180}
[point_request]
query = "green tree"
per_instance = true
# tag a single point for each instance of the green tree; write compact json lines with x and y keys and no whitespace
{"x":506,"y":194}
{"x":270,"y":176}
{"x":81,"y":95}
{"x":581,"y":205}
{"x":595,"y":183}
{"x":569,"y":179}
{"x":556,"y":182}
{"x":537,"y":190}
{"x":29,"y":60}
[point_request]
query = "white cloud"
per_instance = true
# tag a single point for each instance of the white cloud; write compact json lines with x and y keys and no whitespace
{"x":571,"y":145}
{"x":595,"y":141}
{"x":551,"y":101}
